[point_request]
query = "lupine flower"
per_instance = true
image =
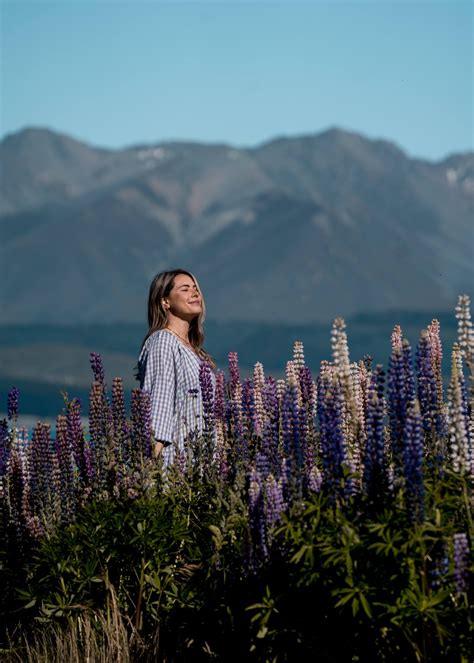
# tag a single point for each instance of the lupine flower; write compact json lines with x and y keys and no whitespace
{"x":98,"y":437}
{"x":65,"y":458}
{"x":397,"y":338}
{"x":4,"y":445}
{"x":461,"y":558}
{"x":234,"y":371}
{"x":219,"y":402}
{"x":413,"y":464}
{"x":280,"y":390}
{"x":41,"y":475}
{"x":287,"y":433}
{"x":465,"y":330}
{"x":75,"y":436}
{"x":220,"y":419}
{"x":292,"y":379}
{"x":333,"y":446}
{"x":374,"y":476}
{"x":274,"y":504}
{"x":12,"y":405}
{"x":270,"y":441}
{"x":121,"y":432}
{"x":97,"y":367}
{"x":315,"y":479}
{"x":141,"y":425}
{"x":458,"y":419}
{"x":434,"y":336}
{"x":340,"y":354}
{"x":207,"y":392}
{"x":259,"y":382}
{"x":401,"y":395}
{"x":258,"y":533}
{"x":13,"y":492}
{"x":433,"y":419}
{"x":248,"y":408}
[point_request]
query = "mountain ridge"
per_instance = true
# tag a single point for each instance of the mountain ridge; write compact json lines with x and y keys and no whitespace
{"x":334,"y":222}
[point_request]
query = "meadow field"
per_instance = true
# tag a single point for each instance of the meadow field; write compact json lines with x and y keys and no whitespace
{"x":321,"y":516}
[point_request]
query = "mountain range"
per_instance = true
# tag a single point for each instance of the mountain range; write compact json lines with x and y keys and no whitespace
{"x":294,"y":231}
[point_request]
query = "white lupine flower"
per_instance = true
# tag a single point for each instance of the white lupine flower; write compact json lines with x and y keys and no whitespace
{"x":298,"y":354}
{"x":461,"y":453}
{"x":259,"y":381}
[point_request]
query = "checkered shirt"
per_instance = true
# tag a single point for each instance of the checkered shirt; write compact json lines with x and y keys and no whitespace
{"x":168,"y":369}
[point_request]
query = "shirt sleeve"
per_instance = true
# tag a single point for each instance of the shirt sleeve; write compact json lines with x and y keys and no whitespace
{"x":160,"y":382}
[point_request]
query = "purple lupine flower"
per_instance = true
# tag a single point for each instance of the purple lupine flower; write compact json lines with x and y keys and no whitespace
{"x":461,"y":558}
{"x":270,"y":441}
{"x":121,"y":436}
{"x":262,"y":465}
{"x":97,"y":367}
{"x":396,"y":403}
{"x":307,"y":418}
{"x":145,"y":417}
{"x":14,"y":487}
{"x":120,"y":427}
{"x":333,"y":444}
{"x":413,"y":464}
{"x":374,"y":475}
{"x":434,"y":422}
{"x":141,"y":425}
{"x":274,"y":503}
{"x":401,"y":395}
{"x":434,"y":336}
{"x":258,"y":534}
{"x":75,"y":437}
{"x":4,"y":445}
{"x":98,"y":440}
{"x":315,"y":479}
{"x":409,"y":376}
{"x":219,"y":402}
{"x":207,"y":394}
{"x":299,"y":434}
{"x":40,"y":469}
{"x":234,"y":371}
{"x":12,"y":404}
{"x":287,"y":436}
{"x":249,"y":416}
{"x":65,"y":457}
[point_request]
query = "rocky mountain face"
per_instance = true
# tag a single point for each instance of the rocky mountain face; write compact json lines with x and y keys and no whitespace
{"x":296,"y":230}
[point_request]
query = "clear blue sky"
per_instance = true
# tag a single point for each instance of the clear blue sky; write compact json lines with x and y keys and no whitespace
{"x":120,"y":73}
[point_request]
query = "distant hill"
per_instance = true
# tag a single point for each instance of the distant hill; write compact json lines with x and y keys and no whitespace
{"x":294,"y":231}
{"x":44,"y":360}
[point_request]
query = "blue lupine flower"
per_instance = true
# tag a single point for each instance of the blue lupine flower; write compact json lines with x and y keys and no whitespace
{"x":434,"y":421}
{"x":374,"y":474}
{"x":333,"y":445}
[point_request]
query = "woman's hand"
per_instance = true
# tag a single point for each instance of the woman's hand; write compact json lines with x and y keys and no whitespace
{"x":157,"y":447}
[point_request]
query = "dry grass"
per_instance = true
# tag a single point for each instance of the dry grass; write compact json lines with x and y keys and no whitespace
{"x":98,"y":637}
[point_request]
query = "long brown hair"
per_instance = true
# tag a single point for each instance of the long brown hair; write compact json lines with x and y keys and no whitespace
{"x":160,"y":288}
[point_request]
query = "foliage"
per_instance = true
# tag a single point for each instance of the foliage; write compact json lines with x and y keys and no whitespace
{"x":306,"y":508}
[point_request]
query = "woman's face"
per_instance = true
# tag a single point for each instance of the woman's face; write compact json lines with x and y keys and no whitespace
{"x":184,"y":299}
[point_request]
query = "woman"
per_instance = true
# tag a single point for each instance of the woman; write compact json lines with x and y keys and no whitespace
{"x":170,"y":359}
